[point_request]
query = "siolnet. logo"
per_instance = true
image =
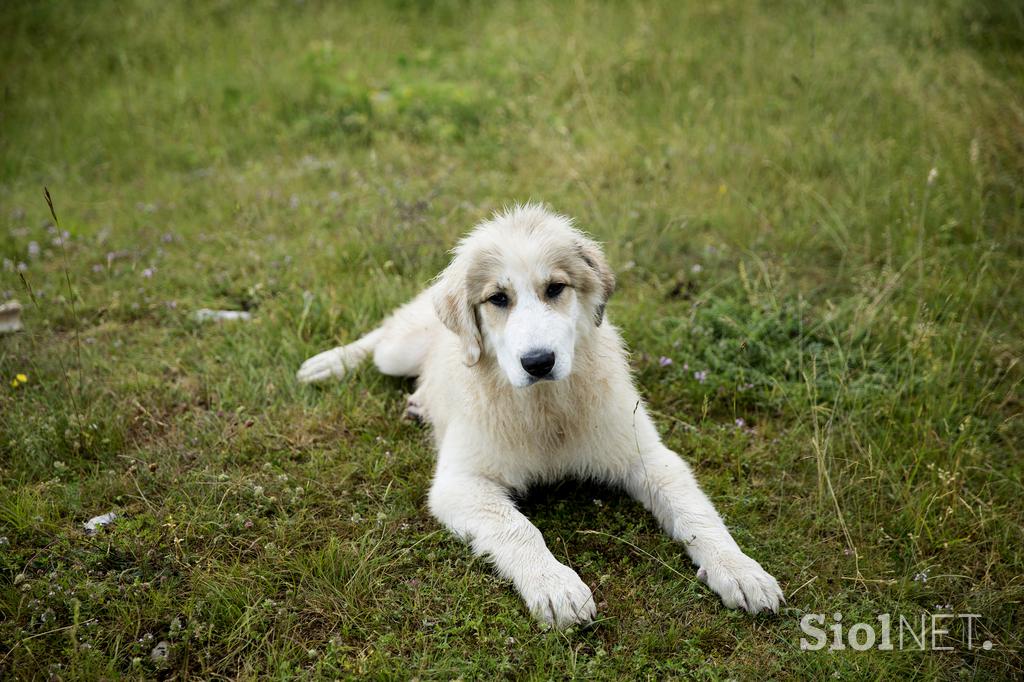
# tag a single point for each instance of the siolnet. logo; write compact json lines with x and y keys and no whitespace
{"x":925,"y":632}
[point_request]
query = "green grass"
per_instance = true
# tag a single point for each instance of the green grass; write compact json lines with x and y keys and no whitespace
{"x":312,"y":162}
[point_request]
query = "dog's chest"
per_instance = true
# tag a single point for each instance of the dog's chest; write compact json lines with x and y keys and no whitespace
{"x":544,"y":421}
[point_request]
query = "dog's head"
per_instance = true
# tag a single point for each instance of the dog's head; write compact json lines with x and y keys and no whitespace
{"x":524,"y":288}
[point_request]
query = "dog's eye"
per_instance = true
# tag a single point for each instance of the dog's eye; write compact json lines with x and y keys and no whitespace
{"x":554,"y":289}
{"x":499,"y":299}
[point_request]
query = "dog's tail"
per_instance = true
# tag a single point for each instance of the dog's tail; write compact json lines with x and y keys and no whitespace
{"x":335,"y":363}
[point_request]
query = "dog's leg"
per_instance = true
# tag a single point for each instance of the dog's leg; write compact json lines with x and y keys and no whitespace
{"x":399,"y":345}
{"x":408,"y":335}
{"x":337,"y":361}
{"x":479,"y":510}
{"x":663,"y":483}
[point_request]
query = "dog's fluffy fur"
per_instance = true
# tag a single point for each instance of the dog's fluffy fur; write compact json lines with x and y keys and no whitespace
{"x":499,"y":428}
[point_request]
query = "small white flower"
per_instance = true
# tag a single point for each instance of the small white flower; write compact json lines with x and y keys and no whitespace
{"x":933,"y":174}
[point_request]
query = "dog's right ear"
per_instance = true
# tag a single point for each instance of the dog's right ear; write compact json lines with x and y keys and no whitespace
{"x":455,"y":310}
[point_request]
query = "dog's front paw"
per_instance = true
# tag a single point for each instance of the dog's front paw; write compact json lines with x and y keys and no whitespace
{"x":414,"y":410}
{"x":323,"y":366}
{"x":741,"y":583}
{"x":557,"y":596}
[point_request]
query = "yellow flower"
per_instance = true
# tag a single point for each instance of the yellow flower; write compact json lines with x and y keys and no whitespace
{"x":14,"y":383}
{"x":21,"y":378}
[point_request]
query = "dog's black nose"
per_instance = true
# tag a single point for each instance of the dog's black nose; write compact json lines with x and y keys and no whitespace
{"x":538,"y":363}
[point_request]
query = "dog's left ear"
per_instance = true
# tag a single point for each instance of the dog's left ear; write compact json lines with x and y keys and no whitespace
{"x":593,"y":256}
{"x":453,"y":308}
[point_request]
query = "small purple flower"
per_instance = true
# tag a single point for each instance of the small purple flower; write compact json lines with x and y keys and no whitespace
{"x":664,"y":362}
{"x":701,"y":375}
{"x":97,"y":267}
{"x":740,"y":422}
{"x":148,"y":273}
{"x":33,"y":249}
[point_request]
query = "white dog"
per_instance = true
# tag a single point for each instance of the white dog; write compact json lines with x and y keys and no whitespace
{"x":523,"y":381}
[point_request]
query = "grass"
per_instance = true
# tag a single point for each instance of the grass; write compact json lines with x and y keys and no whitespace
{"x":762,"y":177}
